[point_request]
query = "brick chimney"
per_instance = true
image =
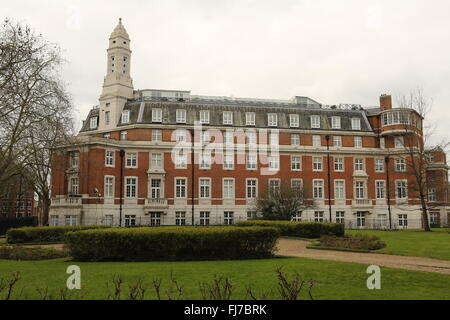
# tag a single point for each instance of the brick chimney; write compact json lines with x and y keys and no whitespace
{"x":385,"y":102}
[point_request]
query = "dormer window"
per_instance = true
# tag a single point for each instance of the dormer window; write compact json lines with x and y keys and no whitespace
{"x":335,"y":122}
{"x":204,"y":116}
{"x":272,"y":120}
{"x":249,"y":118}
{"x":181,"y":116}
{"x":156,"y":115}
{"x":356,"y":124}
{"x":315,"y":122}
{"x":93,"y":123}
{"x":227,"y":117}
{"x":294,"y":120}
{"x":125,"y":116}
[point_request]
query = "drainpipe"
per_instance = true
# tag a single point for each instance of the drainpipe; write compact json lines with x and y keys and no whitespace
{"x":122,"y":155}
{"x":327,"y":138}
{"x":386,"y":159}
{"x":192,"y":176}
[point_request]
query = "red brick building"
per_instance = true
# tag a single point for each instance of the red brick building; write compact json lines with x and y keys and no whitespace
{"x":133,"y":157}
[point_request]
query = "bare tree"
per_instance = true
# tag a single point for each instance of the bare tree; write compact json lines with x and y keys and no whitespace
{"x":35,"y":109}
{"x":417,"y":135}
{"x":282,"y":203}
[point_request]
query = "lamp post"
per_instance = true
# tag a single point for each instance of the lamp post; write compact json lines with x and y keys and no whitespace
{"x":122,"y":155}
{"x":192,"y":176}
{"x":386,"y":159}
{"x":327,"y":138}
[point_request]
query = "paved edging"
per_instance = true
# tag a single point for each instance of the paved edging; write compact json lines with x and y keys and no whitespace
{"x":297,"y":248}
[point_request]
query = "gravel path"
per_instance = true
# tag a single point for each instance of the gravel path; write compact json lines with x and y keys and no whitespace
{"x":297,"y":248}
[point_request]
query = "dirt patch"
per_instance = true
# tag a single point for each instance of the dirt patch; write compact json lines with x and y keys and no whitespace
{"x":297,"y":248}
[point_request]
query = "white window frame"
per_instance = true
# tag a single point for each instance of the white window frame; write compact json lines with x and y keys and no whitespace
{"x":156,"y":135}
{"x":380,"y":189}
{"x":315,"y":122}
{"x":274,"y":163}
{"x":250,"y":118}
{"x":155,"y":162}
{"x":204,"y":188}
{"x":400,"y":165}
{"x":251,"y":191}
{"x":252,"y":165}
{"x":228,"y":161}
{"x":272,"y":120}
{"x":316,"y":141}
{"x":335,"y":122}
{"x":125,"y":116}
{"x":317,"y":165}
{"x":228,"y":192}
{"x":337,"y":141}
{"x":110,"y":157}
{"x":109,"y":187}
{"x":339,"y":166}
{"x":360,"y":192}
{"x":296,"y":163}
{"x":294,"y":120}
{"x":358,"y":164}
{"x":157,"y":115}
{"x":340,"y":195}
{"x":134,"y":162}
{"x":128,"y":189}
{"x":227,"y":117}
{"x":181,"y":190}
{"x":181,"y":115}
{"x":358,"y":142}
{"x":204,"y":116}
{"x":180,"y":161}
{"x":295,"y":139}
{"x":405,"y":186}
{"x":318,"y":188}
{"x":356,"y":123}
{"x":378,"y":167}
{"x":93,"y":123}
{"x":124,"y":135}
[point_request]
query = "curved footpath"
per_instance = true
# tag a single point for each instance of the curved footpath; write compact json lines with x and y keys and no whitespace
{"x":297,"y":248}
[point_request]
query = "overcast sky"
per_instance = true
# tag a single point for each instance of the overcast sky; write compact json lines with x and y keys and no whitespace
{"x":347,"y":51}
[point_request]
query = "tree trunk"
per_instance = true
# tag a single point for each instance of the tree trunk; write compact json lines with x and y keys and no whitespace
{"x":45,"y":210}
{"x":425,"y":223}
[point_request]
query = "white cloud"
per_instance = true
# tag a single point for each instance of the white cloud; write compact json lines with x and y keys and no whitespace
{"x":333,"y":51}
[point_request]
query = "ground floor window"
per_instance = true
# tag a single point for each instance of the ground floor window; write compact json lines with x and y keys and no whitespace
{"x":360,"y":219}
{"x":228,"y":217}
{"x":297,"y":216}
{"x":70,"y":220}
{"x":108,"y":220}
{"x":434,"y":219}
{"x":403,"y":220}
{"x":318,"y":216}
{"x":381,"y":220}
{"x":251,"y":215}
{"x":340,"y":216}
{"x":180,"y":218}
{"x":155,"y":218}
{"x":54,"y":220}
{"x":204,"y":218}
{"x":130,"y":220}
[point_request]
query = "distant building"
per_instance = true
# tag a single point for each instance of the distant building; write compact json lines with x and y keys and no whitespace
{"x":125,"y":165}
{"x":18,"y":201}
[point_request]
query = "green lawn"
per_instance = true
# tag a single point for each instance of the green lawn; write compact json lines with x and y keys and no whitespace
{"x":336,"y":280}
{"x":417,"y":243}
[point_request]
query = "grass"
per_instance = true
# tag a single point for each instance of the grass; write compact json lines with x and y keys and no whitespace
{"x":335,"y":280}
{"x":416,"y":243}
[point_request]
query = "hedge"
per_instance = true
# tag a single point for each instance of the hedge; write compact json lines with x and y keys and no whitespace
{"x":172,"y":243}
{"x":7,"y":223}
{"x":299,"y":229}
{"x":43,"y":234}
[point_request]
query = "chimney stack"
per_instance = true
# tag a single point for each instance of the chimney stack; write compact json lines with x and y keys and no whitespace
{"x":385,"y":102}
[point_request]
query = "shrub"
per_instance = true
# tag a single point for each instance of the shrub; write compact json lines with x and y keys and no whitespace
{"x":23,"y":253}
{"x":358,"y":241}
{"x":172,"y":243}
{"x":43,"y":234}
{"x":299,"y":229}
